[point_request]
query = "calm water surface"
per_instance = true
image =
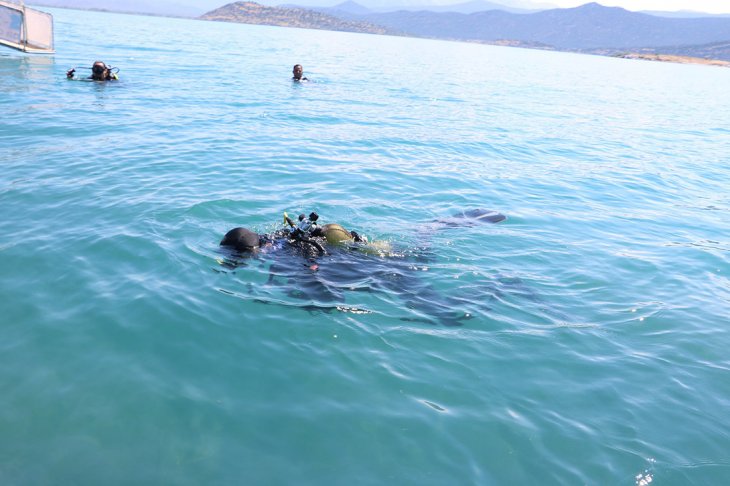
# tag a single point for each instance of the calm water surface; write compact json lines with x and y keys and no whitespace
{"x":584,"y":340}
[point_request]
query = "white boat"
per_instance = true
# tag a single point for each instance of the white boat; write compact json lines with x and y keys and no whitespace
{"x":25,"y":28}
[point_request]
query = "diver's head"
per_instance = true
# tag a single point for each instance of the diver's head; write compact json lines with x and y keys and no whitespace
{"x":99,"y":71}
{"x":298,"y":71}
{"x":242,"y":240}
{"x":313,"y":216}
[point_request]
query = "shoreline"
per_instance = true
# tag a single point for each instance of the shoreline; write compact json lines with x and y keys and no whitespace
{"x":673,"y":58}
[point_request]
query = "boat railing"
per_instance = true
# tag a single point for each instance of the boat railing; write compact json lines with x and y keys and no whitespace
{"x":25,"y":28}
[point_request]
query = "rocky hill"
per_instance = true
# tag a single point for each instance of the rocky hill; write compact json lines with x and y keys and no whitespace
{"x":253,"y":13}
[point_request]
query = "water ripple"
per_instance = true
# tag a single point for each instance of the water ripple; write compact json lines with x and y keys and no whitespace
{"x":582,"y":340}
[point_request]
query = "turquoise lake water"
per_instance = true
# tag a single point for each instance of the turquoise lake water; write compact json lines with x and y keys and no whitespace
{"x":584,"y":340}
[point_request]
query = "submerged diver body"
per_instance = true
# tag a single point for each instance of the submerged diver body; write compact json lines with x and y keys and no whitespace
{"x":354,"y":264}
{"x":99,"y":72}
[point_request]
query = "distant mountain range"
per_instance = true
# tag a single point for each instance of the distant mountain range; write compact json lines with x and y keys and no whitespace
{"x":589,"y":28}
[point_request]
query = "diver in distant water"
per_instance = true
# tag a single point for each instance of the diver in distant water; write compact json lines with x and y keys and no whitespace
{"x":99,"y":72}
{"x":298,"y":73}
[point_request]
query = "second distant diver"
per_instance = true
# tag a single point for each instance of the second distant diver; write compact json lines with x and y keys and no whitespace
{"x":99,"y":72}
{"x":298,"y":74}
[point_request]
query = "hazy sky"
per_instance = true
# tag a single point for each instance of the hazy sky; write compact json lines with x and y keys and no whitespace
{"x":710,"y":6}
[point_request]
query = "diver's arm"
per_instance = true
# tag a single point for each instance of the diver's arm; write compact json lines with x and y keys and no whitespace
{"x":318,"y":246}
{"x":305,"y":238}
{"x":70,"y":73}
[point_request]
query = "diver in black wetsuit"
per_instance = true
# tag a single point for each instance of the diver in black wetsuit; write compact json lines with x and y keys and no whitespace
{"x":99,"y":72}
{"x":306,"y":231}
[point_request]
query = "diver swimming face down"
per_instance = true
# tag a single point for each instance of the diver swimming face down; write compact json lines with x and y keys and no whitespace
{"x":244,"y":240}
{"x":351,"y":263}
